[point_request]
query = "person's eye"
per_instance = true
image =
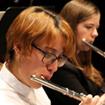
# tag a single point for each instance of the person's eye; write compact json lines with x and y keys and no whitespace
{"x":89,"y":27}
{"x":62,"y":57}
{"x":49,"y":55}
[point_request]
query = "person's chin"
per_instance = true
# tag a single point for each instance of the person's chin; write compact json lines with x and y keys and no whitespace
{"x":86,"y":49}
{"x":36,"y":85}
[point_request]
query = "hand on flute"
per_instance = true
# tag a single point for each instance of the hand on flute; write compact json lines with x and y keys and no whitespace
{"x":90,"y":100}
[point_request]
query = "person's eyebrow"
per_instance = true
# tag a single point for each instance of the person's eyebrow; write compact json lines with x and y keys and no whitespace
{"x":52,"y":50}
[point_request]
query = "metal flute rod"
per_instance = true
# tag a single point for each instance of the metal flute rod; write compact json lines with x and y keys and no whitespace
{"x":97,"y":50}
{"x":63,"y":90}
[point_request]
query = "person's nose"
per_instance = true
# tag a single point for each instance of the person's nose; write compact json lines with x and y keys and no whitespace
{"x":95,"y":33}
{"x":53,"y":67}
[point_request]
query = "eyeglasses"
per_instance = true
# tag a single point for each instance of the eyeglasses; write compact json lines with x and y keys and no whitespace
{"x":50,"y":58}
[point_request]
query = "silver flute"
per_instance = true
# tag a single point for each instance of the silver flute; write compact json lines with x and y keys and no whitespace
{"x":63,"y":90}
{"x":97,"y":50}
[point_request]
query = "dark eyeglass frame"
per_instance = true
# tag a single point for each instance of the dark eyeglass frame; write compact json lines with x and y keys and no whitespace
{"x":45,"y":53}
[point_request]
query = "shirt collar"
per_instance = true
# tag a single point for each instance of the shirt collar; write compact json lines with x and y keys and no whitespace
{"x":13,"y":82}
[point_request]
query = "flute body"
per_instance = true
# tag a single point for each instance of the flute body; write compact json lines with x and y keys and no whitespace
{"x":63,"y":90}
{"x":97,"y":50}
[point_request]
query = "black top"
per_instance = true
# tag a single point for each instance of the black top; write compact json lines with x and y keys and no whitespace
{"x":74,"y":79}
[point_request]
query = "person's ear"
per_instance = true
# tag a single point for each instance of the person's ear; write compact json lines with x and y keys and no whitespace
{"x":17,"y":49}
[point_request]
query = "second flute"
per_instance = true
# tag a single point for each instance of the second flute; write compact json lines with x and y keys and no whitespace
{"x":63,"y":90}
{"x":97,"y":50}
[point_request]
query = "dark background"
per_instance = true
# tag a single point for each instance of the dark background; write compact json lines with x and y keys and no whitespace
{"x":56,"y":5}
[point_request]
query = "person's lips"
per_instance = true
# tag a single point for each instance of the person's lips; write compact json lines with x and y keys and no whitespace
{"x":46,"y":76}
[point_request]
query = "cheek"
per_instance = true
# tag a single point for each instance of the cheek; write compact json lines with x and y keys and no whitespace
{"x":36,"y":66}
{"x":80,"y":44}
{"x":82,"y":32}
{"x":79,"y":39}
{"x":31,"y":65}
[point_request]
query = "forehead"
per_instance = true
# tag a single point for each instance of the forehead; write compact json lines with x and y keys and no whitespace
{"x":57,"y":44}
{"x":95,"y":19}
